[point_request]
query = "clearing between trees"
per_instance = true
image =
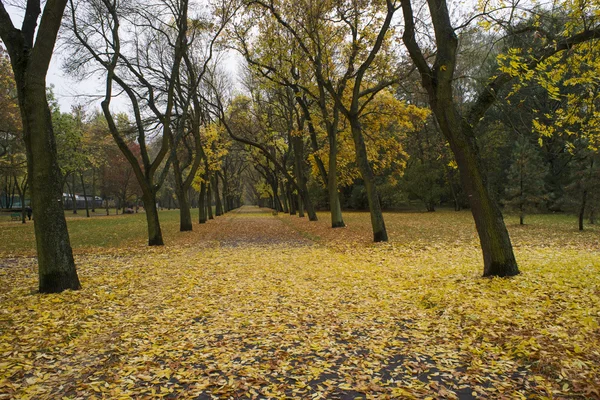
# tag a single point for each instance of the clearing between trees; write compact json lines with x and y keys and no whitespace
{"x":255,"y":305}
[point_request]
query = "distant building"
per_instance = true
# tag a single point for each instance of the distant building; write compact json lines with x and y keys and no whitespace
{"x":80,"y":201}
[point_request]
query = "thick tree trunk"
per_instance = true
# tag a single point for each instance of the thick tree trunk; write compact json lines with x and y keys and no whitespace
{"x":332,"y":185}
{"x":362,"y":160}
{"x":498,"y":256}
{"x":185,"y":215}
{"x":154,"y":232}
{"x":201,"y":203}
{"x":56,"y":266}
{"x":87,"y":208}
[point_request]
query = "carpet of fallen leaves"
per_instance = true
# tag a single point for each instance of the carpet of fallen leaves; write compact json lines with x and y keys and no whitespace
{"x":253,"y":305}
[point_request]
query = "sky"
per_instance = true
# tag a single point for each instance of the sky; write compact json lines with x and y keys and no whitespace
{"x":70,"y":92}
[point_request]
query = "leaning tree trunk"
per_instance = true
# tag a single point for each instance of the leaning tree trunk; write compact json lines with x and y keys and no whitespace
{"x":498,"y":256}
{"x":366,"y":172}
{"x":202,"y":204}
{"x":154,"y":232}
{"x":56,"y":266}
{"x":332,"y":185}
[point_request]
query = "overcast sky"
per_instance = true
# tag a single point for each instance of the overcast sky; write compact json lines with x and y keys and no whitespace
{"x":69,"y":91}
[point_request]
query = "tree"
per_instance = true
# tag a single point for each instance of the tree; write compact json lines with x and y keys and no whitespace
{"x":30,"y":53}
{"x":352,"y":77}
{"x":525,"y":190}
{"x":458,"y":121}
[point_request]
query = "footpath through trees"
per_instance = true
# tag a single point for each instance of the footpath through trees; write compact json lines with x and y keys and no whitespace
{"x":266,"y":306}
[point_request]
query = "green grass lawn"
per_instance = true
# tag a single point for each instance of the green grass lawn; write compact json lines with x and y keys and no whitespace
{"x":129,"y":230}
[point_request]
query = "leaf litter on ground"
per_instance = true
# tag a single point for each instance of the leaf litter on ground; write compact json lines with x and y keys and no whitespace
{"x":260,"y":306}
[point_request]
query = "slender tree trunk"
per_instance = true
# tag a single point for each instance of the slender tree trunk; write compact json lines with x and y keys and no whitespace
{"x":377,"y":222}
{"x":332,"y":185}
{"x":93,"y":190}
{"x":304,"y":196}
{"x":201,"y":203}
{"x":87,"y":208}
{"x":286,"y":208}
{"x":219,"y":206}
{"x":209,"y":199}
{"x":290,"y":197}
{"x":73,"y":193}
{"x":582,"y":209}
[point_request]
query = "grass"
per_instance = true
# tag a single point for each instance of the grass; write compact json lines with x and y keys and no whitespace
{"x":252,"y":305}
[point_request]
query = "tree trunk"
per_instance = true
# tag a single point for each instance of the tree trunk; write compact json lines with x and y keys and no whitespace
{"x":582,"y":209}
{"x":286,"y":208}
{"x":498,"y":256}
{"x":93,"y":190}
{"x":154,"y":232}
{"x":377,"y":222}
{"x":74,"y":200}
{"x":209,"y":210}
{"x":304,"y":197}
{"x":185,"y":215}
{"x":332,"y":185}
{"x":219,"y":206}
{"x":56,"y":266}
{"x":290,"y":196}
{"x":201,"y":203}
{"x":87,"y":208}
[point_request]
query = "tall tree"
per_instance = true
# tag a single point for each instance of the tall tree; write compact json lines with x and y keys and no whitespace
{"x":458,"y":121}
{"x":30,"y":53}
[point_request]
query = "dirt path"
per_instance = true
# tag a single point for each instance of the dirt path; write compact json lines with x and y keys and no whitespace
{"x":254,"y":226}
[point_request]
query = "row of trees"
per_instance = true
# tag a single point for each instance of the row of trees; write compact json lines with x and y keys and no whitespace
{"x":399,"y":95}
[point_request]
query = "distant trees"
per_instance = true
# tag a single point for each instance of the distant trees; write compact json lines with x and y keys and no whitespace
{"x":526,"y":176}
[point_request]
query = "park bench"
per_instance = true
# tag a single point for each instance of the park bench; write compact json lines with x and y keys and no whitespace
{"x":15,"y":216}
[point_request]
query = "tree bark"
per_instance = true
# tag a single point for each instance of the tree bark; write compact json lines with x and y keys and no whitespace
{"x":582,"y":209}
{"x":366,"y":172}
{"x":209,"y":210}
{"x":73,"y":195}
{"x":218,"y":204}
{"x":56,"y":267}
{"x":332,"y":185}
{"x":498,"y":256}
{"x":201,"y":203}
{"x":154,"y":232}
{"x":87,"y":208}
